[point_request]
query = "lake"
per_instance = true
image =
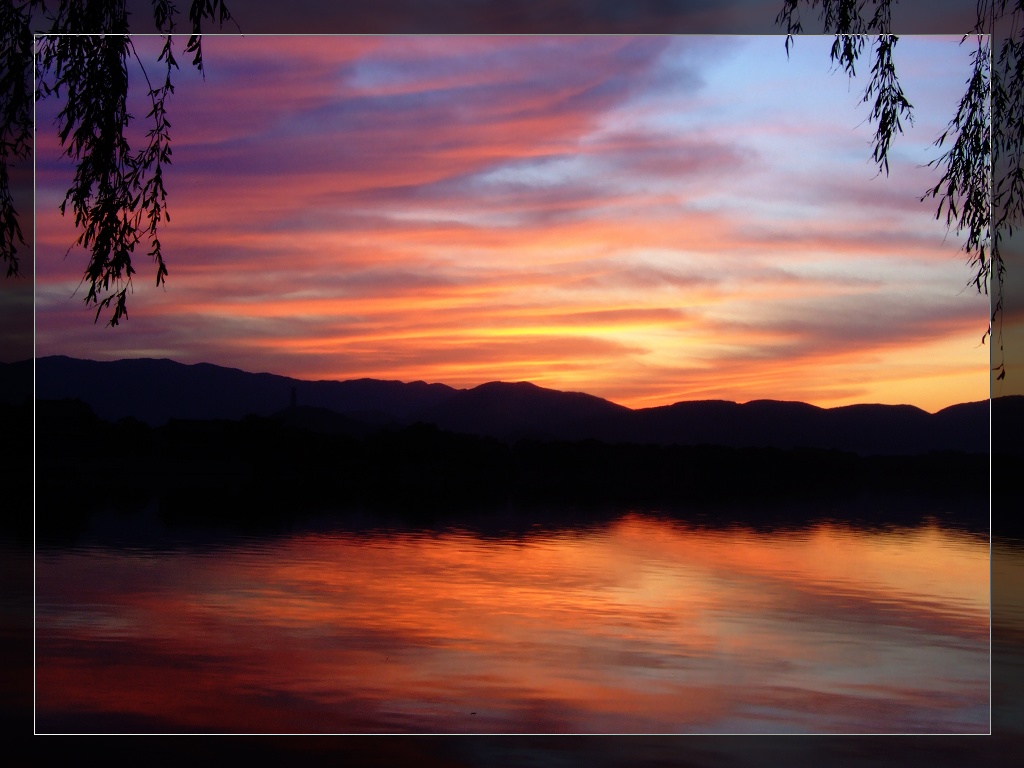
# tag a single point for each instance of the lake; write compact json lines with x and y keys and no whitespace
{"x":641,"y":623}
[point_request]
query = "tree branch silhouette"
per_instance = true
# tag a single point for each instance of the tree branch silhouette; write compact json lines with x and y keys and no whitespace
{"x":982,"y":181}
{"x":117,"y":196}
{"x":15,"y":119}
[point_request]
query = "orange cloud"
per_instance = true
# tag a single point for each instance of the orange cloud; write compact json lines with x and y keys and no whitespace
{"x":587,"y":213}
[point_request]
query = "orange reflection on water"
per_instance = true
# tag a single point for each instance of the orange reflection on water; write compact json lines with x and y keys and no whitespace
{"x":643,"y":625}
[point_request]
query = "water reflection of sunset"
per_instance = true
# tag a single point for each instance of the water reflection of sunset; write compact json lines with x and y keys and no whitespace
{"x":641,"y":625}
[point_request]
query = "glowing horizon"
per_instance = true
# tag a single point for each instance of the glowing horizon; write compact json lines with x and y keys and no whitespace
{"x":648,"y":220}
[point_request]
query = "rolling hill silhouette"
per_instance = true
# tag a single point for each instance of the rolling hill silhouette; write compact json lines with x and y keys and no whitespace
{"x":523,"y":410}
{"x":156,"y":391}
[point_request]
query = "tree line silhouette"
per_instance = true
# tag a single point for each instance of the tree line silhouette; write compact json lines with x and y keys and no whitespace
{"x":261,"y":469}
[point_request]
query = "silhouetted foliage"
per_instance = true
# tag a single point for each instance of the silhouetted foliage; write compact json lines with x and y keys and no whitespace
{"x":15,"y":120}
{"x":982,"y":180}
{"x":118,"y":196}
{"x":260,"y":470}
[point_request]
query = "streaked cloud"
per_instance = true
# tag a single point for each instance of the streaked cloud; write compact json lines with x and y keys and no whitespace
{"x":647,"y":219}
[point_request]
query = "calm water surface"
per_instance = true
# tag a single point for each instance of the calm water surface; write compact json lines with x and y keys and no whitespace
{"x":639,"y":625}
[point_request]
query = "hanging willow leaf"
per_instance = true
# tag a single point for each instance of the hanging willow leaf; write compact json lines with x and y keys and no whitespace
{"x":117,"y":196}
{"x":981,"y":186}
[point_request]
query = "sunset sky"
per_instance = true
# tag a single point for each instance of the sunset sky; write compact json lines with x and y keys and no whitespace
{"x":647,"y":219}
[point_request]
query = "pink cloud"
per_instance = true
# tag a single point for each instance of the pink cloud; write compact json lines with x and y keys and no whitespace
{"x":466,"y":208}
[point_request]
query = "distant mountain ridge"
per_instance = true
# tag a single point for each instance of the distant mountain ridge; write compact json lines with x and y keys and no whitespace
{"x":155,"y":391}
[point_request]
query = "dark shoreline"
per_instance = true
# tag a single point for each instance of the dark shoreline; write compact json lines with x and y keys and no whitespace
{"x":260,"y":474}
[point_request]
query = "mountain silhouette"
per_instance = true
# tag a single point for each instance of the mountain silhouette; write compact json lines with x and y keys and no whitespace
{"x":525,"y":411}
{"x":156,"y":391}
